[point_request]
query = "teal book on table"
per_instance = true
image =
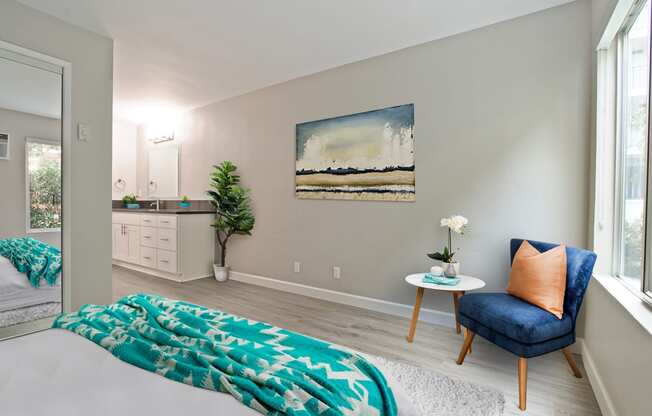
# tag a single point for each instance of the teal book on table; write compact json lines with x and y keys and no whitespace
{"x":440,"y":280}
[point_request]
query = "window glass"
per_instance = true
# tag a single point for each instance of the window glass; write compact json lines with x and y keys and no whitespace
{"x":44,"y":174}
{"x":635,"y":98}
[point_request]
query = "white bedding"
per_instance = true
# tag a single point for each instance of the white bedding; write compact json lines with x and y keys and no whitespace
{"x":58,"y":373}
{"x":16,"y":291}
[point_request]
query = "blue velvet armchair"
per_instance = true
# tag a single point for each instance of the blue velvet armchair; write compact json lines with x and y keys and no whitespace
{"x":522,"y":328}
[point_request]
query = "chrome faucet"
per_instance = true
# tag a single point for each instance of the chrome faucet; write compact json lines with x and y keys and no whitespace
{"x":156,"y":204}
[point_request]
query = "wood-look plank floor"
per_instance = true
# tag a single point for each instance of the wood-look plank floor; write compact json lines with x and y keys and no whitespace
{"x":552,"y":390}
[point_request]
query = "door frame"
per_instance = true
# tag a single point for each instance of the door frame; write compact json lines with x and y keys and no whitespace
{"x":66,"y":143}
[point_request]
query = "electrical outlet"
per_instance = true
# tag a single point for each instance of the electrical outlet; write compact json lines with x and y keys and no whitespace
{"x":337,"y":272}
{"x":297,"y":267}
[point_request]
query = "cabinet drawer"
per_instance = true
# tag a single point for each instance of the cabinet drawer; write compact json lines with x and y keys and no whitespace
{"x":167,"y":221}
{"x":148,"y":237}
{"x":148,"y":220}
{"x":148,"y":257}
{"x":126,"y":218}
{"x":167,"y":239}
{"x":167,"y":261}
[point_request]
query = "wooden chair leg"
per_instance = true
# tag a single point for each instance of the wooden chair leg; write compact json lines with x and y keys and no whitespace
{"x":522,"y":382}
{"x":468,"y":339}
{"x":571,"y":362}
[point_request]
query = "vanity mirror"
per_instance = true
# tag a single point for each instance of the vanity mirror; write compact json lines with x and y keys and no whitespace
{"x":163,"y":180}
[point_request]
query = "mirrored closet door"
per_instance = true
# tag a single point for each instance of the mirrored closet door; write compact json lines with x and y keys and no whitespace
{"x":31,"y":218}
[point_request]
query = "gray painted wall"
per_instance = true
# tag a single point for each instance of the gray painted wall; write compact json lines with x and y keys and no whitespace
{"x":621,"y":351}
{"x":502,"y":132}
{"x":13,"y":221}
{"x":91,"y":56}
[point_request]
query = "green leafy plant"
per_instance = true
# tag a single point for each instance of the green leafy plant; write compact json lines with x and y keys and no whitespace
{"x":445,"y":256}
{"x":185,"y":199}
{"x":129,"y":199}
{"x":232,"y":205}
{"x":45,"y":196}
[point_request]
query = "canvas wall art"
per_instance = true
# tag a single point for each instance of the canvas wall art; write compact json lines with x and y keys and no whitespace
{"x":366,"y":156}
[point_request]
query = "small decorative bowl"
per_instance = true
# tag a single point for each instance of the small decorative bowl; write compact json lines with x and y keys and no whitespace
{"x":185,"y":204}
{"x":132,"y":206}
{"x":436,"y":271}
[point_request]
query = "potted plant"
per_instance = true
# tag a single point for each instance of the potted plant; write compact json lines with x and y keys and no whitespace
{"x":232,"y":209}
{"x":455,"y":224}
{"x":130,"y":201}
{"x":185,"y":202}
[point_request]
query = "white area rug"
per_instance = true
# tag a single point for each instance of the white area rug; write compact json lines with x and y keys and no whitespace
{"x":435,"y":394}
{"x":28,"y":314}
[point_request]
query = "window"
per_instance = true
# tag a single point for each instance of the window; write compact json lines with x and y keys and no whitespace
{"x":632,"y":140}
{"x":43,"y":168}
{"x":4,"y":146}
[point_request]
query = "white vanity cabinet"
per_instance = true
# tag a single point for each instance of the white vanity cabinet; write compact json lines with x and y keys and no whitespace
{"x":179,"y":247}
{"x":126,"y":238}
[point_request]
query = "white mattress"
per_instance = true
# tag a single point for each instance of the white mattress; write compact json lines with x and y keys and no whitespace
{"x":58,"y":373}
{"x":16,"y":291}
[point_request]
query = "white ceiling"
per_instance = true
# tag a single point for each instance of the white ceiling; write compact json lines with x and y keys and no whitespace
{"x":28,"y":89}
{"x":182,"y":54}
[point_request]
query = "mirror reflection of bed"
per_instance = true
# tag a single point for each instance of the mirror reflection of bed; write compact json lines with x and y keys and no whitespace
{"x":31,"y":189}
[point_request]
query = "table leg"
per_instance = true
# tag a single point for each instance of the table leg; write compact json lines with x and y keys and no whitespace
{"x":466,"y":334}
{"x":456,"y":299}
{"x":415,"y":314}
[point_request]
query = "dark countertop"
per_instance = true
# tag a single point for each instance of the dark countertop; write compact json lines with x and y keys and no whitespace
{"x":174,"y":211}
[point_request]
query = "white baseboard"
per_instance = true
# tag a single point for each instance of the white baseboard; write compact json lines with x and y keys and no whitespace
{"x":391,"y":308}
{"x":600,"y":391}
{"x":578,"y":346}
{"x":165,"y":275}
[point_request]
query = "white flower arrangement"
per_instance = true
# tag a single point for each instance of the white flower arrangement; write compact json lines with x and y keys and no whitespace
{"x":455,"y":224}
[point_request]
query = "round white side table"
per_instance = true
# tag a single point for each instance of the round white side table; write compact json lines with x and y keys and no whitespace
{"x":466,"y":284}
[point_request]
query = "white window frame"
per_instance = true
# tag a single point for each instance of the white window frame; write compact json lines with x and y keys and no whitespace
{"x":645,"y":290}
{"x":28,"y":211}
{"x":8,"y":157}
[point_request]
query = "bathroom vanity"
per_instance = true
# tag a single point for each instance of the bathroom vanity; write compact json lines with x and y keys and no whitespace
{"x":173,"y":244}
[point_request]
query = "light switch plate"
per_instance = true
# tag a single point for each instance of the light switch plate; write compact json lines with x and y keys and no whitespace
{"x":83,"y":132}
{"x":337,"y":272}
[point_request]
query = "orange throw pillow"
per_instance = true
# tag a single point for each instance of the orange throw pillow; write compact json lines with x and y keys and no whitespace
{"x":539,"y":278}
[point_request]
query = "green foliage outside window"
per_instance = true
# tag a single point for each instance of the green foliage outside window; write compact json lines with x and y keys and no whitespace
{"x":44,"y":186}
{"x":633,"y":247}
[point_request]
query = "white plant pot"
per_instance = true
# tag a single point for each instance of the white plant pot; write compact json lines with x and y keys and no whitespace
{"x":221,"y":273}
{"x":451,"y":269}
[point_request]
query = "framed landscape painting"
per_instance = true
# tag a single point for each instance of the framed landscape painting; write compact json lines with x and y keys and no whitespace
{"x":365,"y":156}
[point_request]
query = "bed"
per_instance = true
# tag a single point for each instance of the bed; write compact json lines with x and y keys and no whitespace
{"x":73,"y":376}
{"x":17,"y":292}
{"x":21,"y":302}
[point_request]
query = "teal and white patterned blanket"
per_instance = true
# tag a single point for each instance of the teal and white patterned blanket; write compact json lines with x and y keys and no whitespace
{"x":34,"y":258}
{"x":269,"y":369}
